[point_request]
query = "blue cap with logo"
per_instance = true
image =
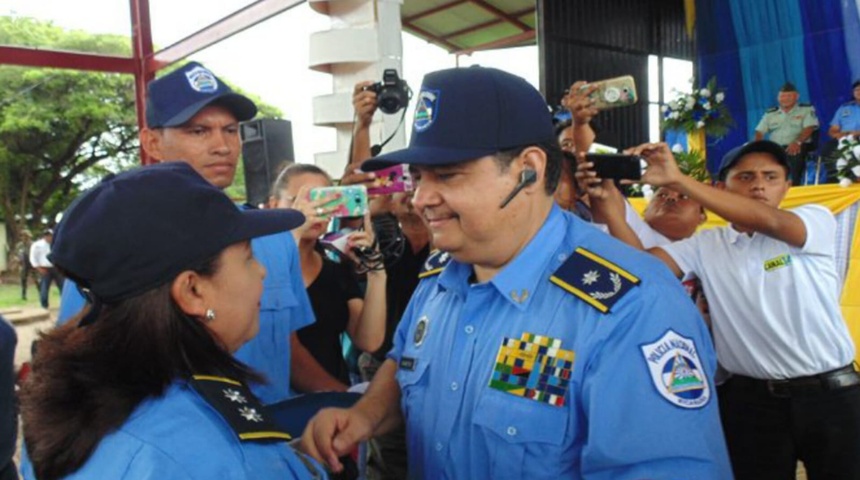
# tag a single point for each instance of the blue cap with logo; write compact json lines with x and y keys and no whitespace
{"x":467,"y":113}
{"x":137,"y":230}
{"x":173,"y":99}
{"x":760,"y":146}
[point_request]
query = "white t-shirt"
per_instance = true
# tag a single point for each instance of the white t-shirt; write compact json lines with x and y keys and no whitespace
{"x":647,"y":235}
{"x":39,"y":253}
{"x":774,"y":307}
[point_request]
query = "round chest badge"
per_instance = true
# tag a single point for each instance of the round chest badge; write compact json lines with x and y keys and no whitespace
{"x":420,"y":331}
{"x":612,"y":94}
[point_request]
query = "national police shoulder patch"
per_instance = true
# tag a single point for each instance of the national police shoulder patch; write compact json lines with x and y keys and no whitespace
{"x":676,"y":370}
{"x":434,"y":264}
{"x":594,"y":279}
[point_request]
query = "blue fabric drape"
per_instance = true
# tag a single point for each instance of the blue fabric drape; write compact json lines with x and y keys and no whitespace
{"x":718,"y":56}
{"x":827,"y":73}
{"x":851,"y":25}
{"x":770,"y":40}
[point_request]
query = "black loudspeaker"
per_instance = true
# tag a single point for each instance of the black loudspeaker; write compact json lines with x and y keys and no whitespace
{"x":267,"y":147}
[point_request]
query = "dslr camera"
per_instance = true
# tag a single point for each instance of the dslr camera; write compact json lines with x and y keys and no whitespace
{"x":392,"y":93}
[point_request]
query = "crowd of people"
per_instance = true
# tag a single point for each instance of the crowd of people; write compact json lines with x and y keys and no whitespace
{"x":513,"y":316}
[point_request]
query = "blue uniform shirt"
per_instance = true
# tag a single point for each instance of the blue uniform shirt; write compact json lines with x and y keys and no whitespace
{"x":847,"y":117}
{"x":564,"y":365}
{"x":284,"y":308}
{"x":181,"y":436}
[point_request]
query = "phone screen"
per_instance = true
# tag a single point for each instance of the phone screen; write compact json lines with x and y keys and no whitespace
{"x":617,"y":166}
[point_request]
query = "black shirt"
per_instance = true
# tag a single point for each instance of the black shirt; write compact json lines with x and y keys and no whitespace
{"x":329,"y":294}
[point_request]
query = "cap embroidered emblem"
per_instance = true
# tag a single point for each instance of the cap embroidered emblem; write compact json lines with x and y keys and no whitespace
{"x":234,"y":396}
{"x":250,"y":414}
{"x":202,"y":80}
{"x":426,"y":110}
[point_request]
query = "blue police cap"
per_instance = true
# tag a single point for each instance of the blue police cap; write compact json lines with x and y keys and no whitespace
{"x":176,"y":97}
{"x":763,"y":146}
{"x":463,"y":114}
{"x":137,"y":230}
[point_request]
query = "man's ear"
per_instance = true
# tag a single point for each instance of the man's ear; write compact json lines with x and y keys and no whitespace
{"x":150,"y":140}
{"x":185,"y":291}
{"x":533,"y":158}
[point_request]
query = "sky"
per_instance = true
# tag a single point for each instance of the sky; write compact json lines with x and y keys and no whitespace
{"x":269,"y":59}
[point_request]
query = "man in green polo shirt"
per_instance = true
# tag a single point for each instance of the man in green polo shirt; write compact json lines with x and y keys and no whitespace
{"x":791,"y":124}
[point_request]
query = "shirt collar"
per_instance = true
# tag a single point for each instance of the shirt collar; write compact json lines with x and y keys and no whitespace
{"x":517,"y":281}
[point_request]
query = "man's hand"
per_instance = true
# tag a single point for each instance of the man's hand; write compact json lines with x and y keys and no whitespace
{"x":315,"y":212}
{"x":333,"y":433}
{"x":576,"y":101}
{"x":662,"y":168}
{"x":793,"y":148}
{"x":598,"y":189}
{"x":364,"y":103}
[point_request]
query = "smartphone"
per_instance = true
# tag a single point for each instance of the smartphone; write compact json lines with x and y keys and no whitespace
{"x":391,"y":180}
{"x":616,"y":165}
{"x":613,"y":92}
{"x":336,"y":242}
{"x":349,"y":201}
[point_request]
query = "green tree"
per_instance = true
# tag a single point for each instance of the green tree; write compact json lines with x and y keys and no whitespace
{"x":62,"y":130}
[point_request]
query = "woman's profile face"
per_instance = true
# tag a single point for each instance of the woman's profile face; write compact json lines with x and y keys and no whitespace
{"x":233,"y":293}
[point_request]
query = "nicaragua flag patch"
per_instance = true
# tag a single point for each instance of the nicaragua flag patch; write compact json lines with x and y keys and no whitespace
{"x":676,"y":370}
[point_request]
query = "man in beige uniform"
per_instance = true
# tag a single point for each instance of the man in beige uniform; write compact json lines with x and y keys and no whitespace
{"x":791,"y":124}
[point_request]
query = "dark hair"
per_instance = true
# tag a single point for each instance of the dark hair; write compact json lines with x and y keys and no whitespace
{"x":553,"y":162}
{"x":86,"y":381}
{"x":562,"y":126}
{"x":287,"y":174}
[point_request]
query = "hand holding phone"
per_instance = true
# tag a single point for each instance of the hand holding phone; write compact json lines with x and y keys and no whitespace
{"x":393,"y":179}
{"x":349,"y":201}
{"x":616,"y":166}
{"x":612,"y":92}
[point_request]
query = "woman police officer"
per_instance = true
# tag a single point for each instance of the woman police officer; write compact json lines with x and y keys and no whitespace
{"x":143,"y":384}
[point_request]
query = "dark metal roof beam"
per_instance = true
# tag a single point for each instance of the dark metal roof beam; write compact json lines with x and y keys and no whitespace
{"x":39,"y":57}
{"x":431,"y":38}
{"x":502,"y":14}
{"x":502,"y":42}
{"x":222,"y":29}
{"x":490,"y":23}
{"x":431,"y":11}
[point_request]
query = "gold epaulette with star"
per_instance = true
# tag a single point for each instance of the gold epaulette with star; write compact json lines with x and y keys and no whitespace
{"x":239,"y":407}
{"x":434,"y":264}
{"x":594,"y":279}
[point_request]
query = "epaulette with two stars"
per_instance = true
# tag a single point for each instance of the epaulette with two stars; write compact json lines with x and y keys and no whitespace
{"x":594,"y":279}
{"x":239,"y":407}
{"x":771,"y":110}
{"x":434,"y":264}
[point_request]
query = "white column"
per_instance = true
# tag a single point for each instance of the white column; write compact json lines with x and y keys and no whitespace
{"x":364,"y":40}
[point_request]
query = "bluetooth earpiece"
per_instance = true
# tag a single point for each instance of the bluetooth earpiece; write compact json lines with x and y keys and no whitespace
{"x":527,"y":177}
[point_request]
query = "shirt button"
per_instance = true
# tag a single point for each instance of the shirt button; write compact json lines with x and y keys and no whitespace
{"x":562,"y":257}
{"x":454,"y":386}
{"x":469,"y":329}
{"x":438,"y":446}
{"x":512,"y":431}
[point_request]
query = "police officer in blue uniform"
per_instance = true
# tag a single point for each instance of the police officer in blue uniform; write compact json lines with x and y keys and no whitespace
{"x":846,"y":120}
{"x":535,"y":346}
{"x":144,"y":386}
{"x":193,"y":116}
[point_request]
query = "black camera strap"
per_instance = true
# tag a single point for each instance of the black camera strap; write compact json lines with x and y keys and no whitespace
{"x":376,"y":149}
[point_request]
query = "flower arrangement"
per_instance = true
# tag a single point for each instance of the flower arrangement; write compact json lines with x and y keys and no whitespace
{"x":848,"y":160}
{"x":703,"y":109}
{"x":691,"y":163}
